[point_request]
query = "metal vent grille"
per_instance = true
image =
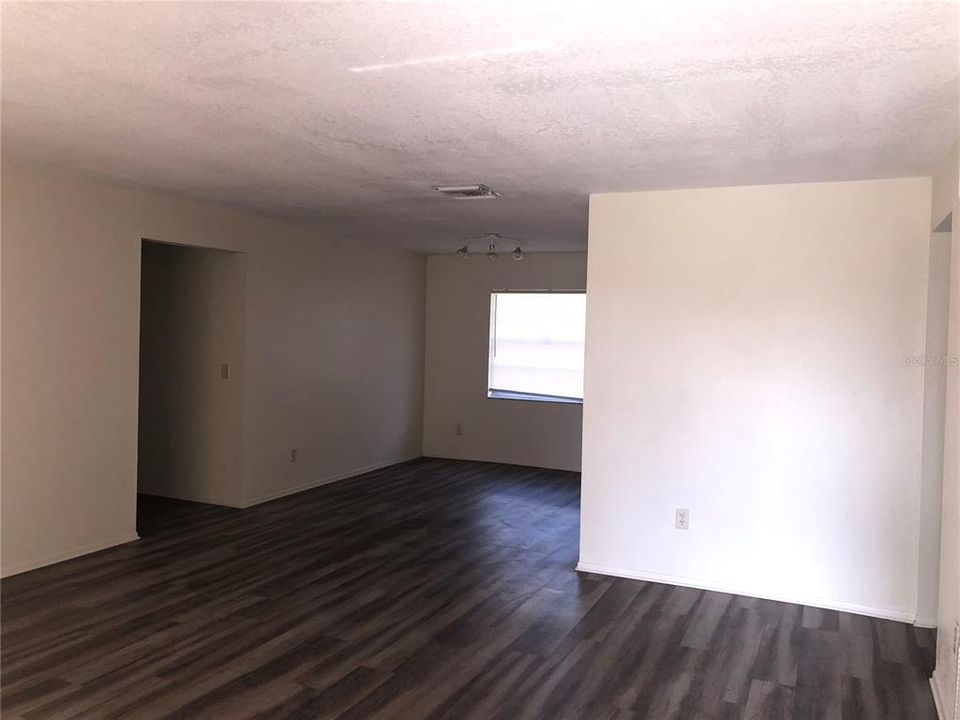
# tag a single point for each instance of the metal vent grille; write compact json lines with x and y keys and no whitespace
{"x":467,"y":192}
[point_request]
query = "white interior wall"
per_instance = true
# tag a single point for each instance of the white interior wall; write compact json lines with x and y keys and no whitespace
{"x":334,"y":366}
{"x":934,"y":409}
{"x":541,"y":434}
{"x":945,"y":182}
{"x":746,"y":361}
{"x":946,"y":198}
{"x":192,"y":321}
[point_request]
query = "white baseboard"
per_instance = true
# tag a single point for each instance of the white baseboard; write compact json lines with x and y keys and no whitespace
{"x":472,"y":458}
{"x":10,"y":570}
{"x":202,"y":500}
{"x":878,"y":612}
{"x":326,"y":480}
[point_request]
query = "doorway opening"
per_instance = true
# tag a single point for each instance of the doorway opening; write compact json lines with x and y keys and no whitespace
{"x":192,"y":369}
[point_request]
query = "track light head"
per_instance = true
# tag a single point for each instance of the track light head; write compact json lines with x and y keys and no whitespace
{"x":518,"y":254}
{"x":462,"y":252}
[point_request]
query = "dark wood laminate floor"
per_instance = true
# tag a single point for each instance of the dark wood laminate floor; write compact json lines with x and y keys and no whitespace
{"x":433,"y":589}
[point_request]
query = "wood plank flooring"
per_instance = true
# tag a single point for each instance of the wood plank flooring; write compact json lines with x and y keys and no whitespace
{"x":432,"y":589}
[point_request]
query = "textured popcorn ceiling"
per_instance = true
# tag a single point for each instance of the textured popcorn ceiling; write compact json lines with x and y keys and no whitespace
{"x":346,"y":114}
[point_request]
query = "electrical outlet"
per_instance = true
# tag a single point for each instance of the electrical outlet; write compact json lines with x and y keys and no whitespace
{"x":458,"y":429}
{"x":293,"y":455}
{"x":683,"y":519}
{"x":224,"y":371}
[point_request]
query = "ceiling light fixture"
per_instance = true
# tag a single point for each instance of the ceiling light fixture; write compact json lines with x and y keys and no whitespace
{"x":463,"y":252}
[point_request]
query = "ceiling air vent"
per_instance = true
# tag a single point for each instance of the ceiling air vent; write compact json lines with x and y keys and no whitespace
{"x":467,"y":192}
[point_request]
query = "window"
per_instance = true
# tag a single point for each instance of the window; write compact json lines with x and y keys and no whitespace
{"x":536,"y":346}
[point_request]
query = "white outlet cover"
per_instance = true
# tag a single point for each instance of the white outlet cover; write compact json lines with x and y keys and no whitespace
{"x":683,"y":519}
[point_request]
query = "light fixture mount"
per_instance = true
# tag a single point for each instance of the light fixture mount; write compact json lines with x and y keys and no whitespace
{"x":463,"y":252}
{"x":467,"y":192}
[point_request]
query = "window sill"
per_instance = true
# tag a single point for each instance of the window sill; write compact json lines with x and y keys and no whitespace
{"x":528,"y":397}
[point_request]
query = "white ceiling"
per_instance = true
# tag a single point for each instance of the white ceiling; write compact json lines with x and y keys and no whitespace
{"x":262,"y":106}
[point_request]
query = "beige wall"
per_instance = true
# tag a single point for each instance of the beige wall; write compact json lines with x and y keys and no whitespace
{"x":746,"y":361}
{"x":334,"y":354}
{"x":458,"y":324}
{"x":192,"y":321}
{"x":947,"y":185}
